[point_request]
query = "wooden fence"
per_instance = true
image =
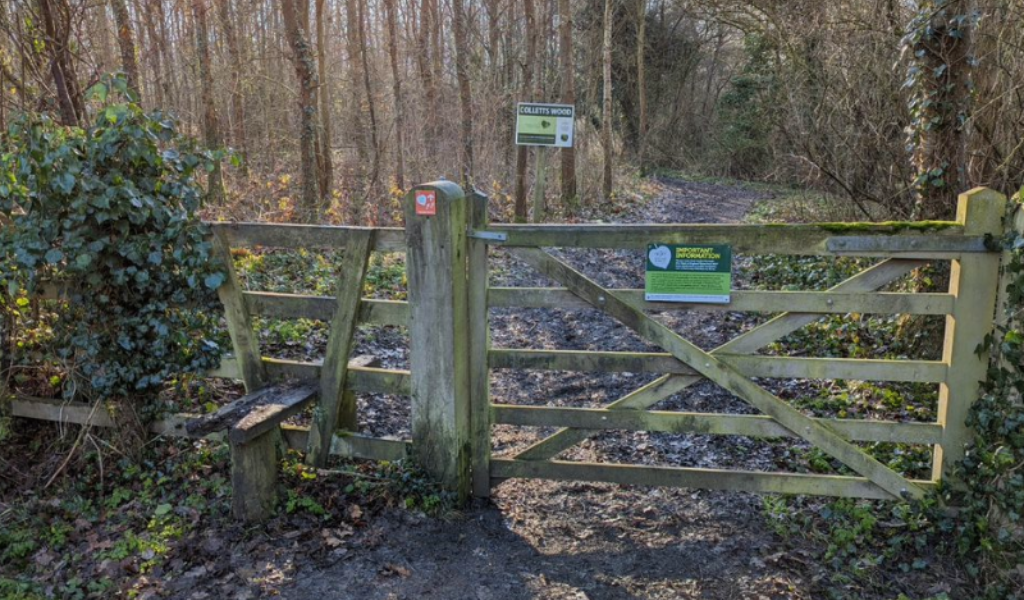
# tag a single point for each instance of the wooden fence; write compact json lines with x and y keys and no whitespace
{"x":450,"y":354}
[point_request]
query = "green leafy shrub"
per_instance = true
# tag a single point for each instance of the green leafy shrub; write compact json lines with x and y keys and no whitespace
{"x":108,"y":214}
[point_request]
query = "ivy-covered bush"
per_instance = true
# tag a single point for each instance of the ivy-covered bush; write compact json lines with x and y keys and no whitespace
{"x":107,"y":215}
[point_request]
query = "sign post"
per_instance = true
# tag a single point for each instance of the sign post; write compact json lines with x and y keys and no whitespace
{"x":677,"y":273}
{"x":544,"y":126}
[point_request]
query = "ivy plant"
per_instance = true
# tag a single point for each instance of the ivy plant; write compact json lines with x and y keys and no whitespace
{"x":107,"y":214}
{"x":990,"y":525}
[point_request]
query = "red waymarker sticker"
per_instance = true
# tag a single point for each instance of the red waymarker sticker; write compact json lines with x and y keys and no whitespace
{"x":426,"y":202}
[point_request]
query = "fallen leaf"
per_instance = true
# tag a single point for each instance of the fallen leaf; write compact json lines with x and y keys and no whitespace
{"x":392,"y":569}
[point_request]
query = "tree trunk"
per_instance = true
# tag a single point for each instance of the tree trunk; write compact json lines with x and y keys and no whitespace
{"x":152,"y":53}
{"x":126,"y":44}
{"x":55,"y":16}
{"x":238,"y":136}
{"x":211,"y":129}
{"x":522,"y":152}
{"x":305,"y":72}
{"x":641,"y":83}
{"x":396,"y":85}
{"x":324,"y":159}
{"x":355,"y":69}
{"x":569,"y":192}
{"x":371,"y":107}
{"x":465,"y":95}
{"x":944,"y":54}
{"x":606,"y":118}
{"x":423,"y":65}
{"x":170,"y":96}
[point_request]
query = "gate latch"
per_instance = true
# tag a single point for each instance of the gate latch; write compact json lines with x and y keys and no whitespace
{"x":490,"y":236}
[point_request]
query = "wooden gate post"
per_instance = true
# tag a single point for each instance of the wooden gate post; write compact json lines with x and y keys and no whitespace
{"x":479,"y":345}
{"x":973,"y":281}
{"x":436,"y":217}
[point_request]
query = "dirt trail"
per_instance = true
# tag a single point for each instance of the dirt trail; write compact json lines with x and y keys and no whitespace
{"x":539,"y":539}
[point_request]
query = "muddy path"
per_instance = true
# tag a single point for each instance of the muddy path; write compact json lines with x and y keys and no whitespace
{"x":541,"y":539}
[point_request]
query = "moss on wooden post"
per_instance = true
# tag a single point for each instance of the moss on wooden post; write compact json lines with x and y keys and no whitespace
{"x":973,"y":282}
{"x":439,"y":332}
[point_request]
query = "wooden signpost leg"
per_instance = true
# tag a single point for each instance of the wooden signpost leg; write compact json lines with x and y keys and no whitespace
{"x":540,"y":185}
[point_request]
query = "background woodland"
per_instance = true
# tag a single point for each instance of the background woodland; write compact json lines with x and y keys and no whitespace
{"x":331,"y":107}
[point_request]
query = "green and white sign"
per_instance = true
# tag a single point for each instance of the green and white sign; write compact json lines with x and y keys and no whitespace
{"x":545,"y":124}
{"x":688,"y":273}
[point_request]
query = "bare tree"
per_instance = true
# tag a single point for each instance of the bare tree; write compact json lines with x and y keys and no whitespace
{"x":211,"y":128}
{"x":226,"y":16}
{"x":325,"y":164}
{"x":396,"y":87}
{"x":56,"y":19}
{"x":305,"y":72}
{"x":522,"y":152}
{"x":568,"y":97}
{"x":126,"y":44}
{"x":641,"y":82}
{"x":606,"y":118}
{"x":465,"y":94}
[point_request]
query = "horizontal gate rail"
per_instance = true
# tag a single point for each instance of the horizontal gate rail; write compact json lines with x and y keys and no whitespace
{"x":712,"y":479}
{"x":740,"y":301}
{"x":938,"y":240}
{"x":294,"y":306}
{"x":706,"y":423}
{"x":919,"y":371}
{"x":362,"y":379}
{"x":280,"y":235}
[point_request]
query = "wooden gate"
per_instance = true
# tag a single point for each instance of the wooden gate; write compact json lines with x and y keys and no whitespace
{"x":902,"y":247}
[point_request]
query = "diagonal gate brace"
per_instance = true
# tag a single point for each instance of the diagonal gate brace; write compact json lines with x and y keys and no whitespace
{"x":665,"y":386}
{"x":818,"y":434}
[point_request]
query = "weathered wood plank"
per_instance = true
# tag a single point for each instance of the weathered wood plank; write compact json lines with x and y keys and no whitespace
{"x":781,"y":367}
{"x":283,"y":398}
{"x":707,"y":423}
{"x":742,"y":301}
{"x":439,"y":335}
{"x":271,"y":411}
{"x":334,"y":369}
{"x":724,"y":375}
{"x":711,"y":479}
{"x":352,"y":445}
{"x":946,"y":240}
{"x":973,"y":281}
{"x":479,"y":343}
{"x":322,"y":308}
{"x":280,"y":235}
{"x":236,"y":313}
